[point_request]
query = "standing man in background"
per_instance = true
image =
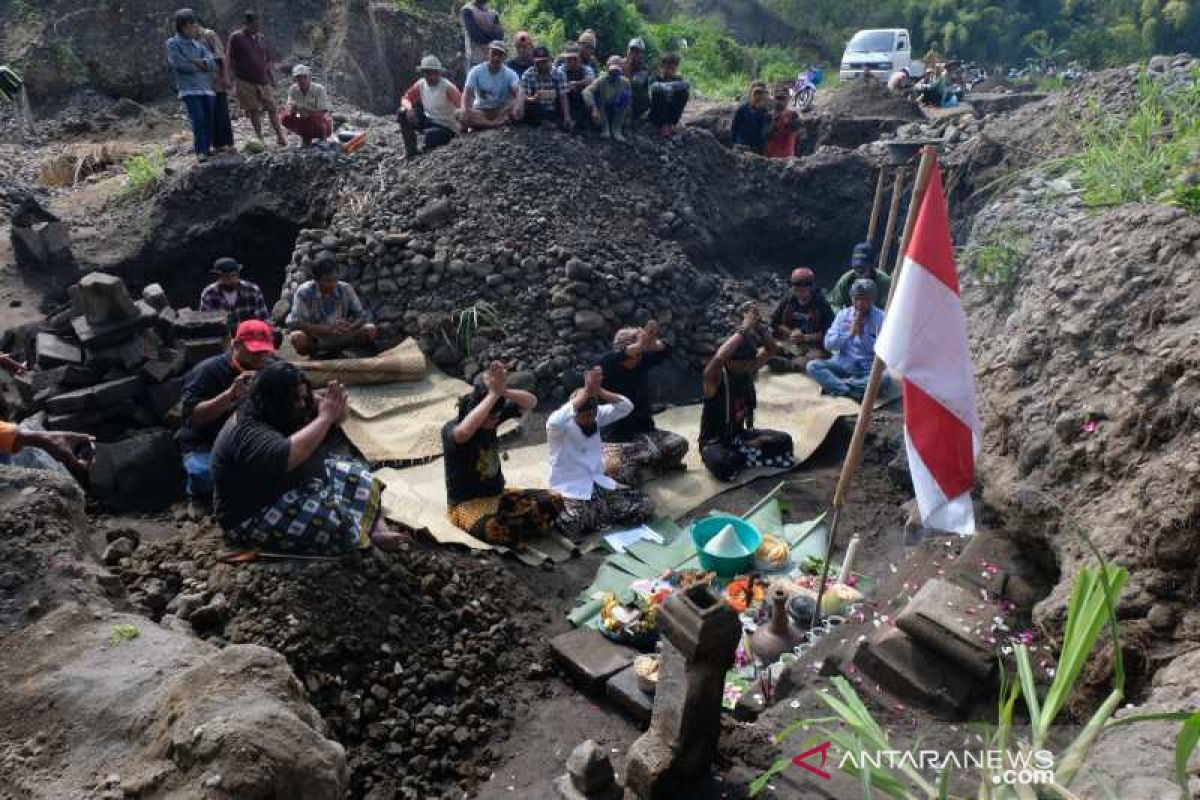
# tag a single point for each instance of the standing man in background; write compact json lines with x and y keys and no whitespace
{"x":254,"y":74}
{"x":222,"y":82}
{"x":481,"y":27}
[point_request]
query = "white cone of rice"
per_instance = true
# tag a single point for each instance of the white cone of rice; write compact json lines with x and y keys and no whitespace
{"x":726,"y":544}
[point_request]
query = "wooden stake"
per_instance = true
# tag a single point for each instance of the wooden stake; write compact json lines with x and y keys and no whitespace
{"x":889,"y":230}
{"x":854,"y":453}
{"x":876,"y":206}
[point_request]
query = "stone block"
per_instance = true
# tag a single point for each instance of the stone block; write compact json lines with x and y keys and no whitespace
{"x":590,"y":775}
{"x":105,"y":300}
{"x":168,"y":364}
{"x":589,"y":658}
{"x":591,"y":321}
{"x":99,"y":396}
{"x":112,"y":334}
{"x":623,"y":691}
{"x":196,"y":350}
{"x":36,"y":386}
{"x":163,"y":398}
{"x":915,"y":674}
{"x":190,"y":324}
{"x":156,"y":297}
{"x":77,"y":376}
{"x":88,"y":421}
{"x":126,"y":356}
{"x":141,"y":472}
{"x":55,"y":351}
{"x":937,"y":618}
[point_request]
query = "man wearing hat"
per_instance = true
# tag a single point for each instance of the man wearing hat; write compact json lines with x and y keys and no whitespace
{"x":861,"y":268}
{"x":545,"y":92}
{"x":492,"y":95}
{"x":307,"y":113}
{"x":238,"y":299}
{"x":752,"y":120}
{"x":523,"y":60}
{"x":211,"y":393}
{"x":638,"y":74}
{"x":587,"y":50}
{"x":577,"y":77}
{"x":851,"y":338}
{"x":430,"y":105}
{"x":481,"y":27}
{"x":800,"y":322}
{"x":610,"y":98}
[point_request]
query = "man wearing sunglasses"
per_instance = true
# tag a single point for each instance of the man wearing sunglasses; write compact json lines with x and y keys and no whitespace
{"x":799,"y":323}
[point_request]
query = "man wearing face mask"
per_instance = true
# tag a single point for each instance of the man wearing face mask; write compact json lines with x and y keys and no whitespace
{"x":610,"y":98}
{"x":592,"y":500}
{"x":851,"y":339}
{"x":799,"y":322}
{"x":729,"y":442}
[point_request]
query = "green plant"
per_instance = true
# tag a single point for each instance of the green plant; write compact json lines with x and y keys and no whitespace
{"x":123,"y":633}
{"x":996,"y":260}
{"x":143,"y":173}
{"x":253,"y":147}
{"x":1142,"y":157}
{"x":469,"y":321}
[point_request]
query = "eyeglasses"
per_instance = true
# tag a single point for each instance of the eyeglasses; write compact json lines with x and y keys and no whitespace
{"x":803,"y":284}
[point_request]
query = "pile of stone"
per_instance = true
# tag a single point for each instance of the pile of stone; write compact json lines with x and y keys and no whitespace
{"x":582,"y":241}
{"x":107,"y":362}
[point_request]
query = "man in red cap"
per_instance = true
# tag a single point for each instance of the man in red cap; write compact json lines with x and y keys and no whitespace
{"x":799,"y":323}
{"x":211,"y":393}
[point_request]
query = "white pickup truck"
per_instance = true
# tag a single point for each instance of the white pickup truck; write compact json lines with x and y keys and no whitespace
{"x":883,"y":51}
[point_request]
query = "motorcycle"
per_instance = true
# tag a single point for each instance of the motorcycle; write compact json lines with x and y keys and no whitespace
{"x":805,"y":88}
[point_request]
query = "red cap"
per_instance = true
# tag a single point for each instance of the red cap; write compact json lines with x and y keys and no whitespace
{"x":256,"y":336}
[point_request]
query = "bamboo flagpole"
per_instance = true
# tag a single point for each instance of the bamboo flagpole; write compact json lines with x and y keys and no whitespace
{"x":876,"y":206}
{"x":889,"y":230}
{"x":854,"y":453}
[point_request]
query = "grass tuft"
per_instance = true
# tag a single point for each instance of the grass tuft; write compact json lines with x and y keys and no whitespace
{"x":143,"y":173}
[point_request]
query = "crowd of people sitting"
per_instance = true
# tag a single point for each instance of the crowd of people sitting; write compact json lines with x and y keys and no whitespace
{"x":255,"y":436}
{"x":571,"y":90}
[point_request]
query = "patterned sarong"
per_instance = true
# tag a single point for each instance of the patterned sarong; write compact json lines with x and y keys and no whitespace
{"x":508,"y":518}
{"x":324,"y":516}
{"x":646,"y":457}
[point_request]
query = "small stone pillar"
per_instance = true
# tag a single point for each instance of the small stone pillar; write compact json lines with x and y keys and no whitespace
{"x":700,"y":636}
{"x":589,"y":775}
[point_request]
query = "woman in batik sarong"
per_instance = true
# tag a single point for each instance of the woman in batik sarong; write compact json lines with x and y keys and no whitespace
{"x":276,"y":488}
{"x":478,"y":501}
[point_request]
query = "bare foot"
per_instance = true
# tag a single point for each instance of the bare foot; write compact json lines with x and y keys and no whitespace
{"x":388,"y":540}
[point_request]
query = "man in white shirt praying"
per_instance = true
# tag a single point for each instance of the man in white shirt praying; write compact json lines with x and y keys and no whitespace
{"x":593,"y":501}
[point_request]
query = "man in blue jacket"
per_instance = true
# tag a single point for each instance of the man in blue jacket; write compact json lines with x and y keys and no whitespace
{"x":193,"y":67}
{"x":851,"y":339}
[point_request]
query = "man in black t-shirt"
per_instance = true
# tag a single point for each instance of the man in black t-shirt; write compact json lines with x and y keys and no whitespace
{"x":211,"y":393}
{"x":799,"y":323}
{"x":729,"y":442}
{"x":634,"y":449}
{"x":477,"y":499}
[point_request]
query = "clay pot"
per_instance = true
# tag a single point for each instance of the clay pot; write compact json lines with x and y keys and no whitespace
{"x":779,"y":635}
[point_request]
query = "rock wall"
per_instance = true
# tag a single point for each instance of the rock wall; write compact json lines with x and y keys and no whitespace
{"x":364,"y":51}
{"x":569,"y":239}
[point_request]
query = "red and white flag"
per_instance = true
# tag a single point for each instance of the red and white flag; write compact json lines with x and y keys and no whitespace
{"x":924,"y":339}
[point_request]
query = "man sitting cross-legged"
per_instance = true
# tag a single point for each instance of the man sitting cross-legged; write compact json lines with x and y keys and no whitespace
{"x":729,"y":442}
{"x":492,"y":95}
{"x":851,"y":339}
{"x":592,"y":500}
{"x":634,"y":449}
{"x":478,"y":501}
{"x":327,"y":316}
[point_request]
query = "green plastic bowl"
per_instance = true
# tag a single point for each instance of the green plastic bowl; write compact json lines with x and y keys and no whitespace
{"x":704,"y":529}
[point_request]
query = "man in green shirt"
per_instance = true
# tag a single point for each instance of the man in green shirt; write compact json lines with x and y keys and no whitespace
{"x":861,"y":267}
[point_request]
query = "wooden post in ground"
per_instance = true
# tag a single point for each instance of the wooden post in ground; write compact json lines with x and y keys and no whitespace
{"x":889,"y":230}
{"x":854,"y":453}
{"x":876,"y":205}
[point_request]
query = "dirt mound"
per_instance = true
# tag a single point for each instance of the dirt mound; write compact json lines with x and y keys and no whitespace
{"x":996,"y":83}
{"x":866,"y":98}
{"x":414,"y":660}
{"x":1088,"y":386}
{"x":583,"y":237}
{"x":108,"y":705}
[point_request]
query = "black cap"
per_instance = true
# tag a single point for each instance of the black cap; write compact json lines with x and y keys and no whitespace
{"x":541,"y":53}
{"x":225,"y":265}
